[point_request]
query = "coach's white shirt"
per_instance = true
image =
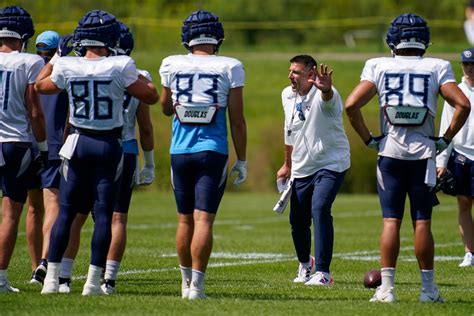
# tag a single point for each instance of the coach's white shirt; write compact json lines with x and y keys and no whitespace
{"x":463,"y":142}
{"x":319,"y":142}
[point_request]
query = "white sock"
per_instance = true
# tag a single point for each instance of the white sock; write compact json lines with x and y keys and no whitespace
{"x":53,"y":271}
{"x":66,"y":268}
{"x":197,"y":280}
{"x":427,"y":279}
{"x":93,"y":276}
{"x":186,"y":276}
{"x":111,"y":270}
{"x":388,"y":278}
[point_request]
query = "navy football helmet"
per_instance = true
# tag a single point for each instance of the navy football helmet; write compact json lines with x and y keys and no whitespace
{"x":16,"y":22}
{"x":126,"y":42}
{"x":408,"y":31}
{"x":96,"y":28}
{"x":202,"y":27}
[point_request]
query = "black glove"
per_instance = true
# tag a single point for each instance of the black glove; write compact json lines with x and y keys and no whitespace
{"x":41,"y":161}
{"x":64,"y":49}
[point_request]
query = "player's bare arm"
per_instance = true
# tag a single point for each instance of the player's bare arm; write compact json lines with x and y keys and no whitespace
{"x":35,"y":113}
{"x":238,"y":127}
{"x":43,"y":84}
{"x":166,"y":101}
{"x":360,"y":96}
{"x":144,"y":91}
{"x":145,"y":127}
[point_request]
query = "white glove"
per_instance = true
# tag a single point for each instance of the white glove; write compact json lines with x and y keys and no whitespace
{"x":240,"y":167}
{"x":441,"y":143}
{"x":147,"y":175}
{"x":374,"y":142}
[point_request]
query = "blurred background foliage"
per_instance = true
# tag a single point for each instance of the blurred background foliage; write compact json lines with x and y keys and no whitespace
{"x":264,"y":35}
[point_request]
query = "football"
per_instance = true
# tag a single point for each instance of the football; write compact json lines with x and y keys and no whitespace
{"x":372,"y":279}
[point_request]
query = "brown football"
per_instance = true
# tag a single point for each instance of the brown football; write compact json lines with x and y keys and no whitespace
{"x":372,"y":279}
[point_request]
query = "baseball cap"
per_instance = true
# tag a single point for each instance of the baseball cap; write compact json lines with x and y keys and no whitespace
{"x":47,"y":40}
{"x":467,"y":56}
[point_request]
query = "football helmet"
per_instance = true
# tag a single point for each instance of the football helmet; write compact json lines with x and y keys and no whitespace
{"x":96,"y":28}
{"x":202,"y":27}
{"x":16,"y":22}
{"x":408,"y":31}
{"x":126,"y":43}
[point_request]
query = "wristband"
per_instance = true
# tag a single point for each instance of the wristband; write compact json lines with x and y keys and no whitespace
{"x":149,"y":157}
{"x":43,"y":146}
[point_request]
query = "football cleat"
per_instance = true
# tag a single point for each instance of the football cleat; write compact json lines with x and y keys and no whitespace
{"x":40,"y":273}
{"x":5,"y":287}
{"x":202,"y":27}
{"x":64,"y":285}
{"x":108,"y":287}
{"x":196,"y":294}
{"x":433,"y":296}
{"x":50,"y":286}
{"x":384,"y":296}
{"x":304,"y":272}
{"x":468,"y":260}
{"x":185,"y":289}
{"x":92,"y":289}
{"x":320,"y":278}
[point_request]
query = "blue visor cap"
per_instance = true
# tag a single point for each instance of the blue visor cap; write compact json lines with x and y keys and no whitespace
{"x":47,"y":40}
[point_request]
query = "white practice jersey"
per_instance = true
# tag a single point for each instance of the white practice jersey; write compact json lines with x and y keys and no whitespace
{"x":130,"y":107}
{"x":408,"y":81}
{"x":201,"y":79}
{"x":17,"y":71}
{"x":96,"y":89}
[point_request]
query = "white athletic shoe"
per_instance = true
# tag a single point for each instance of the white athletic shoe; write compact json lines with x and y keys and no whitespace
{"x":185,"y":290}
{"x":468,"y":260}
{"x":108,"y":289}
{"x":433,"y":296}
{"x":92,"y":289}
{"x":304,"y":273}
{"x":383,"y":296}
{"x":50,"y":286}
{"x":320,"y":278}
{"x":5,"y":287}
{"x":196,"y":294}
{"x":64,"y":285}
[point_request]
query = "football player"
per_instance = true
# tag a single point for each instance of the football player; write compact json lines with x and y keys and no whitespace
{"x":20,"y":110}
{"x":407,"y":86}
{"x":134,"y":111}
{"x":458,"y":159}
{"x":200,"y":89}
{"x":93,"y":155}
{"x":45,"y":192}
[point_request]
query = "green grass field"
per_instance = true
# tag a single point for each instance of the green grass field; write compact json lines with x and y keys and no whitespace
{"x":253,"y":265}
